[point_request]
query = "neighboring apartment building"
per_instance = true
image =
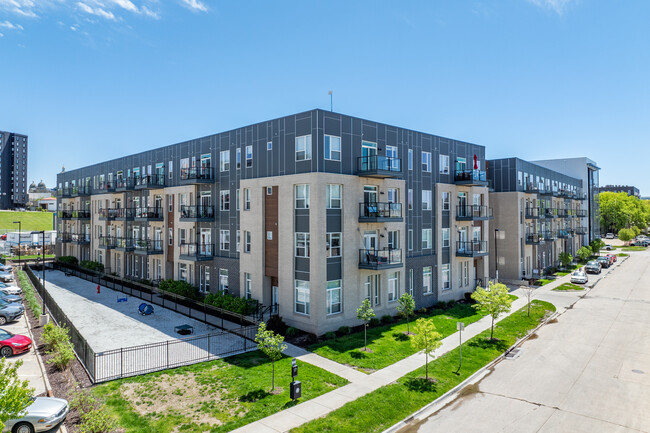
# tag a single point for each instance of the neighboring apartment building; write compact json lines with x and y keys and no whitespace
{"x":315,"y":212}
{"x":627,"y":189}
{"x":13,"y":170}
{"x":538,"y":214}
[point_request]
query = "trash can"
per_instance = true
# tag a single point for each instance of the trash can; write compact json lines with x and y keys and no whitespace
{"x":295,"y":391}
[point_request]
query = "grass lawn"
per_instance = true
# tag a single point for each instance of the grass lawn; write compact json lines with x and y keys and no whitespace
{"x":543,"y":281}
{"x":30,"y":221}
{"x":382,"y":408}
{"x":569,"y":286}
{"x":634,"y":248}
{"x":215,"y":396}
{"x":389,"y":343}
{"x":623,"y":255}
{"x":29,"y":257}
{"x":568,"y":271}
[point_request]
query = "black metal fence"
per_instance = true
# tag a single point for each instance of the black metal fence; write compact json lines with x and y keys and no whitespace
{"x":147,"y":358}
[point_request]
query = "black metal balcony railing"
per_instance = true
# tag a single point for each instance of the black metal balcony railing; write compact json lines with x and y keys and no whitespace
{"x":197,"y":212}
{"x":581,"y":230}
{"x":534,"y":239}
{"x":473,"y":212}
{"x":124,"y":184}
{"x":379,"y":166}
{"x":82,"y":190}
{"x":535,"y":213}
{"x":196,"y":251}
{"x":565,"y":233}
{"x":123,"y":213}
{"x":108,"y":214}
{"x":531,"y":188}
{"x":550,"y":212}
{"x":471,"y":177}
{"x":64,"y":237}
{"x":197,"y":174}
{"x":107,"y":242}
{"x":125,"y":244}
{"x":81,"y":239}
{"x":471,"y":248}
{"x":65,"y":214}
{"x":148,"y":246}
{"x":149,"y":181}
{"x":384,"y":258}
{"x":549,"y":235}
{"x":149,"y":213}
{"x":81,"y":214}
{"x":106,"y":186}
{"x":581,"y":213}
{"x":64,"y":192}
{"x":377,"y":212}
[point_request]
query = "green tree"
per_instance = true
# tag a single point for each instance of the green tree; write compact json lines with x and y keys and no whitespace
{"x":272,"y":345}
{"x":425,"y":339}
{"x":625,"y":234}
{"x":565,"y":258}
{"x":494,"y":300}
{"x":365,"y":313}
{"x":584,"y":253}
{"x":635,"y":230}
{"x":405,"y":308}
{"x":14,"y":393}
{"x":596,"y":245}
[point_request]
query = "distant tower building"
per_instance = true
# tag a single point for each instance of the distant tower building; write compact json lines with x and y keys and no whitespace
{"x":627,"y":189}
{"x":13,"y":170}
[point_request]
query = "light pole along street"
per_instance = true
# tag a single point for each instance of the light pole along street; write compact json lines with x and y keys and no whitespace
{"x":42,"y":232}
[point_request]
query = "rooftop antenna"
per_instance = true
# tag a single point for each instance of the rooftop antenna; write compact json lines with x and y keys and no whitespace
{"x":331,"y":104}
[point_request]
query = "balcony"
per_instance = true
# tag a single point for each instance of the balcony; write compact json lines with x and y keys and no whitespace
{"x":471,"y":248}
{"x":379,"y":166}
{"x":535,"y":213}
{"x":380,"y":212}
{"x":581,"y":230}
{"x":80,"y":191}
{"x":549,"y":235}
{"x":197,"y":175}
{"x":531,"y":188}
{"x":64,"y":237}
{"x":105,"y":187}
{"x":565,"y":234}
{"x":80,"y":214}
{"x":107,"y":242}
{"x":378,"y":259}
{"x":124,"y":184}
{"x":149,"y":181}
{"x":550,"y":212}
{"x":65,"y":215}
{"x":197,"y":213}
{"x":65,"y":192}
{"x":108,"y":214}
{"x":148,"y":246}
{"x":81,"y":239}
{"x":470,"y":178}
{"x":534,"y":239}
{"x":473,"y":213}
{"x":124,"y":244}
{"x":579,"y":196}
{"x":149,"y":214}
{"x":196,"y":252}
{"x":581,"y":213}
{"x":123,"y":213}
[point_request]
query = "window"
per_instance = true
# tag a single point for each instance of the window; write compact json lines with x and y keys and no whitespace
{"x":445,"y":276}
{"x":170,"y":203}
{"x":426,"y":162}
{"x":249,"y":156}
{"x":238,"y":241}
{"x":303,"y":148}
{"x":224,"y":160}
{"x":393,"y":286}
{"x":269,"y":145}
{"x":302,"y":196}
{"x":224,"y":240}
{"x":445,"y":200}
{"x":426,"y":280}
{"x":332,"y":148}
{"x":520,"y":179}
{"x":248,"y":286}
{"x":333,"y":196}
{"x":225,"y":200}
{"x":237,"y":198}
{"x":302,"y":244}
{"x":247,"y":199}
{"x":460,"y":274}
{"x":410,"y":240}
{"x":377,"y":290}
{"x":333,"y":244}
{"x":410,"y":160}
{"x":302,"y":297}
{"x":393,"y":239}
{"x":171,"y":237}
{"x":223,"y":280}
{"x":444,"y":164}
{"x":411,"y":282}
{"x":334,"y":297}
{"x":445,"y":237}
{"x":238,"y":158}
{"x":269,"y":235}
{"x":182,"y":272}
{"x":426,"y":239}
{"x":247,"y":241}
{"x":426,"y":199}
{"x":410,"y":199}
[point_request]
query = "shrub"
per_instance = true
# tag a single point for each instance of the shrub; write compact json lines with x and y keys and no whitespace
{"x":94,"y":419}
{"x":343,"y":330}
{"x":451,"y":304}
{"x":584,"y":253}
{"x":373,"y":322}
{"x":229,"y":302}
{"x":440,"y":305}
{"x":28,"y":292}
{"x":276,"y":324}
{"x":181,"y":288}
{"x":62,"y":355}
{"x":53,"y":335}
{"x":291,"y":331}
{"x":386,"y":318}
{"x":70,"y":260}
{"x":330,"y":335}
{"x":422,"y":310}
{"x":93,"y":266}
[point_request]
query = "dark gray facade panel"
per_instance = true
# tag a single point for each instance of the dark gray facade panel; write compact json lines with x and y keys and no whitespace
{"x":303,"y":276}
{"x":301,"y":223}
{"x":302,"y":264}
{"x":334,"y":271}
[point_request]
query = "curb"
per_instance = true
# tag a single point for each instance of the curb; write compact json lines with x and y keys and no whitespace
{"x":449,"y":396}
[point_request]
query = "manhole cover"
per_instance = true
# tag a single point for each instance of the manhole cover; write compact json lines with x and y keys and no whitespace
{"x":638,"y":371}
{"x":514,"y":353}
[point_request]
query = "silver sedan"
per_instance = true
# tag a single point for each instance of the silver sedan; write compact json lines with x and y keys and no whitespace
{"x":42,"y":415}
{"x":579,"y":277}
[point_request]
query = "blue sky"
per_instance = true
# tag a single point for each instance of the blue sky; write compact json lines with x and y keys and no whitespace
{"x":90,"y":80}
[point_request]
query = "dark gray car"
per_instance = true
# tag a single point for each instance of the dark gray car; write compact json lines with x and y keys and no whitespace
{"x":10,"y":312}
{"x":6,"y":296}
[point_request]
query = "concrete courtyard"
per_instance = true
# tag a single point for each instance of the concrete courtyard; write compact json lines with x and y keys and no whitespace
{"x":588,"y":371}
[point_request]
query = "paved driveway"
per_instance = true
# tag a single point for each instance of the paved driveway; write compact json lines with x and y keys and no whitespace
{"x":587,"y":372}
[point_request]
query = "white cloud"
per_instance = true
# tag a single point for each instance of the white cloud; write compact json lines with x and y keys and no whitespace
{"x":148,"y":12}
{"x":126,"y":4}
{"x":20,"y":7}
{"x":96,"y":11}
{"x":11,"y":26}
{"x":1,"y":35}
{"x":73,"y":28}
{"x":195,"y":5}
{"x":557,"y":6}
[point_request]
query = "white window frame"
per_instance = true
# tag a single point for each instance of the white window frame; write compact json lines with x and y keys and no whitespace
{"x":249,"y":152}
{"x":410,"y":240}
{"x":444,"y":273}
{"x":444,"y":199}
{"x":427,"y":287}
{"x":333,"y":195}
{"x":393,"y":286}
{"x":426,"y":239}
{"x":426,"y":199}
{"x":410,"y":159}
{"x":410,"y":199}
{"x":238,"y":158}
{"x":444,"y":164}
{"x":301,"y":196}
{"x":302,"y":244}
{"x":224,"y":200}
{"x":426,"y":162}
{"x":224,"y":240}
{"x":444,"y":236}
{"x":247,"y":241}
{"x":330,"y":240}
{"x":332,"y":147}
{"x":334,"y":287}
{"x":224,"y":160}
{"x":269,"y":145}
{"x":248,"y":286}
{"x":301,"y":290}
{"x":303,"y":148}
{"x":247,"y":199}
{"x":223,"y":280}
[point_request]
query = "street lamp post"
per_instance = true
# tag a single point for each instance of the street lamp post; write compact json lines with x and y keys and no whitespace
{"x":496,"y":254}
{"x":19,"y":229}
{"x":42,"y":232}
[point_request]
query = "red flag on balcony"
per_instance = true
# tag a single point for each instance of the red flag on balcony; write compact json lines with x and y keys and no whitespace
{"x":475,"y":162}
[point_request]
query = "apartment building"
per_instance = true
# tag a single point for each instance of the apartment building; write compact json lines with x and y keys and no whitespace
{"x":13,"y":170}
{"x":313,"y":212}
{"x":627,"y":189}
{"x":538,"y":214}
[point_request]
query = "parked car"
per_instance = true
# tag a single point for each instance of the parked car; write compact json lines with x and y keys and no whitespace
{"x":6,"y":268}
{"x":13,"y":344}
{"x":10,"y":312}
{"x":592,"y":267}
{"x":640,"y":243}
{"x":609,"y":236}
{"x":579,"y":277}
{"x":6,"y":296}
{"x":43,"y":414}
{"x":6,"y":276}
{"x":12,"y":290}
{"x":3,"y":237}
{"x":608,"y":247}
{"x":612,"y":257}
{"x":604,"y":262}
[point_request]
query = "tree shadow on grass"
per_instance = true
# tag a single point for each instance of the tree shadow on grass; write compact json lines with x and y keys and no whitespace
{"x":420,"y":384}
{"x":486,"y":343}
{"x":357,"y":354}
{"x":254,"y":396}
{"x":400,"y":336}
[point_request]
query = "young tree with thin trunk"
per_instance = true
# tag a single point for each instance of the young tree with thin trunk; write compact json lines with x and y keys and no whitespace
{"x":14,"y":393}
{"x":565,"y":258}
{"x":365,"y":313}
{"x":272,"y":345}
{"x":406,"y":308}
{"x":528,"y":291}
{"x":494,"y":300}
{"x":426,"y":339}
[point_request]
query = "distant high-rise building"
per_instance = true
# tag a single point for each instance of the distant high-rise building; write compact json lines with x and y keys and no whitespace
{"x":627,"y":189}
{"x":13,"y":170}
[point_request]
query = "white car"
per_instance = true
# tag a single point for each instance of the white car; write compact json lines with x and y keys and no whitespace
{"x":6,"y":276}
{"x":43,"y":414}
{"x":11,"y":290}
{"x":579,"y":277}
{"x":609,"y":236}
